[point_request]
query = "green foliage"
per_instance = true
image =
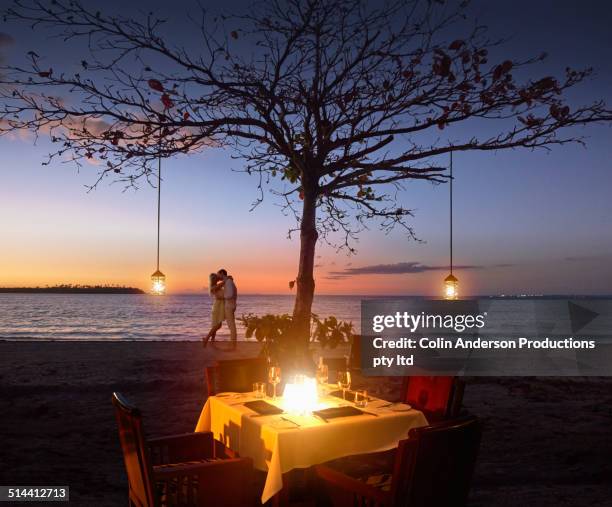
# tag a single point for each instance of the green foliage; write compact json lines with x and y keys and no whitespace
{"x":267,"y":327}
{"x":274,"y":332}
{"x":291,"y":173}
{"x":331,"y":332}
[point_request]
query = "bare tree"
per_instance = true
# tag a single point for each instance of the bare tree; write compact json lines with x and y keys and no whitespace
{"x":334,"y":103}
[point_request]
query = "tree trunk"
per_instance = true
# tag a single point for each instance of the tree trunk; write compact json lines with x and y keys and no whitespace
{"x":302,"y":309}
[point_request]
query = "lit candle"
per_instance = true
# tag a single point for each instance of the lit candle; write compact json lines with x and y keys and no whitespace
{"x":300,"y":397}
{"x":451,"y":285}
{"x":158,"y":283}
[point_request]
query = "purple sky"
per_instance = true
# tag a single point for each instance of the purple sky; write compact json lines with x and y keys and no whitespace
{"x":525,"y":222}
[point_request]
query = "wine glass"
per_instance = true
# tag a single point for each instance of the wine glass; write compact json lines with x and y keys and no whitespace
{"x":322,"y":374}
{"x":361,"y":398}
{"x":344,"y":382}
{"x":274,"y":377}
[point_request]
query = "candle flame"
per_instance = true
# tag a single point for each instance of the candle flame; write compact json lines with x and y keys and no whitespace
{"x":301,"y":397}
{"x":158,"y":288}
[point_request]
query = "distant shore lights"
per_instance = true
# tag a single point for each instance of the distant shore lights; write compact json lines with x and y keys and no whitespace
{"x":158,"y":279}
{"x":451,"y":283}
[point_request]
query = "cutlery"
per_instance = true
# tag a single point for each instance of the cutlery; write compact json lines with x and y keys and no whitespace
{"x":292,"y":422}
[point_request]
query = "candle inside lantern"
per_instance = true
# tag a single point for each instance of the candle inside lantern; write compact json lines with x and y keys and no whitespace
{"x":451,"y":287}
{"x":300,"y":397}
{"x":158,"y":283}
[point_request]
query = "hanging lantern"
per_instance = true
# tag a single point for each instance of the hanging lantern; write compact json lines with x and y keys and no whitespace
{"x":451,"y":287}
{"x":158,"y":283}
{"x":158,"y":279}
{"x":451,"y":284}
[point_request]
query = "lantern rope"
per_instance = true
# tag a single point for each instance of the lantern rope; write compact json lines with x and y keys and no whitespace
{"x":158,"y":204}
{"x":451,"y":214}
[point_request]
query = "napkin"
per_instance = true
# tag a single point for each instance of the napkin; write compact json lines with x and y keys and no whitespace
{"x":263,"y":407}
{"x":334,"y":412}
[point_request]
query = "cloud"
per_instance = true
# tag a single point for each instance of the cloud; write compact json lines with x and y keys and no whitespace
{"x":95,"y":125}
{"x":335,"y":277}
{"x":403,"y":268}
{"x":586,"y":258}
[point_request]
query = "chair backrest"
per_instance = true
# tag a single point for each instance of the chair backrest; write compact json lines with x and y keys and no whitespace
{"x":236,"y":375}
{"x":437,"y":397}
{"x":135,"y":453}
{"x":434,"y":466}
{"x":227,"y":483}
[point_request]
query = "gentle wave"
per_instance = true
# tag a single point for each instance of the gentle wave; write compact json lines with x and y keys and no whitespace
{"x":115,"y":317}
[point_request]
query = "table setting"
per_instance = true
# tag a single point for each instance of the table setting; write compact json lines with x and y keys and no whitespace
{"x":311,"y":423}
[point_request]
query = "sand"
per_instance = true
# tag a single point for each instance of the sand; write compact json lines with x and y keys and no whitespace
{"x":547,"y":442}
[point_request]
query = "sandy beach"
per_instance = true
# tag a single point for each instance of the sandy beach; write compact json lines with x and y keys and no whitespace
{"x":547,"y":442}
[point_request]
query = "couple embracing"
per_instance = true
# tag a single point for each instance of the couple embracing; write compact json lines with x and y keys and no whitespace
{"x":222,"y":289}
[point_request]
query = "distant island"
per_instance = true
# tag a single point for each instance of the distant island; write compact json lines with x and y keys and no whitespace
{"x":73,"y":289}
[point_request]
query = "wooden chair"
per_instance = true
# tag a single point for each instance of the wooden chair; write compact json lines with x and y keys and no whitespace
{"x":236,"y":375}
{"x":432,"y":468}
{"x":439,"y":398}
{"x":180,"y":470}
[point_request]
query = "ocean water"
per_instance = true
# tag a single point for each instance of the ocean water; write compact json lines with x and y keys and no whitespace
{"x":139,"y":316}
{"x":187,"y":317}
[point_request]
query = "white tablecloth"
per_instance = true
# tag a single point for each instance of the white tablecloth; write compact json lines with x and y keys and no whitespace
{"x":279,"y":446}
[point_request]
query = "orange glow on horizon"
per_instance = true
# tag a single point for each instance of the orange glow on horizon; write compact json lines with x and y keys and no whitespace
{"x":264,"y":279}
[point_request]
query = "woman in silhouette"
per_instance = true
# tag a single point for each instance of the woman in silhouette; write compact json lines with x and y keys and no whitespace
{"x":215,"y":289}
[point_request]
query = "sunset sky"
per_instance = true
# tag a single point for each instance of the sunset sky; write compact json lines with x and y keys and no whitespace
{"x":525,"y":222}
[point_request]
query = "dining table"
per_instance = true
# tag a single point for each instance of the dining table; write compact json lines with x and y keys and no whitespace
{"x":280,"y":442}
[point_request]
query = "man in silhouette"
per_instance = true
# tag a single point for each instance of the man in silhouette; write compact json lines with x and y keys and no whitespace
{"x":230,"y":295}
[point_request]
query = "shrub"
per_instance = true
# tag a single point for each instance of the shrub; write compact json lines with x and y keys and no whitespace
{"x":274,"y":332}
